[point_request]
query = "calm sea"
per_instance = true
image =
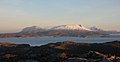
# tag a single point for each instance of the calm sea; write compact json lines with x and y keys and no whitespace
{"x":46,"y":40}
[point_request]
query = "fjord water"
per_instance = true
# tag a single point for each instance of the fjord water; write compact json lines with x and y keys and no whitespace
{"x":45,"y":40}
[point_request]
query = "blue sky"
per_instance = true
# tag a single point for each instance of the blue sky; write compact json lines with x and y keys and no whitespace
{"x":17,"y":14}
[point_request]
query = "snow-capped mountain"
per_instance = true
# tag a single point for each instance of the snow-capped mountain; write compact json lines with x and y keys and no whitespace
{"x":75,"y":30}
{"x":61,"y":27}
{"x":32,"y":29}
{"x":71,"y":27}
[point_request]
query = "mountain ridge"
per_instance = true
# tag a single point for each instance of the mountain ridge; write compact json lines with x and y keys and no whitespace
{"x":74,"y":30}
{"x":71,"y":27}
{"x":60,"y":27}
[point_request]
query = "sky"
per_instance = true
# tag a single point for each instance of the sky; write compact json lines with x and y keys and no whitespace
{"x":18,"y":14}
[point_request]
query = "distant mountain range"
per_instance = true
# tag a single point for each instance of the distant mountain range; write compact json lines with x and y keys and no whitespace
{"x":76,"y":30}
{"x":73,"y":27}
{"x":36,"y":29}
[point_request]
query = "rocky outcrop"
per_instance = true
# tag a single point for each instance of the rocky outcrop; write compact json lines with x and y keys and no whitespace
{"x":61,"y":52}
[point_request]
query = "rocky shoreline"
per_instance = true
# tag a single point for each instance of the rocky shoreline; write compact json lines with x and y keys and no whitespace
{"x":61,"y":52}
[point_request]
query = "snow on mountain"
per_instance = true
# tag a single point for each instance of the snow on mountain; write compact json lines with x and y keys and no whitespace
{"x":33,"y":29}
{"x":71,"y":27}
{"x":36,"y":29}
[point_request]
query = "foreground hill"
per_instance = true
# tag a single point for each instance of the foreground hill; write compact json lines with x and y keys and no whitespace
{"x":61,"y":52}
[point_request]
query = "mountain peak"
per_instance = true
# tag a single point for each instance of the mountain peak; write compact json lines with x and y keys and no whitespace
{"x":74,"y":25}
{"x":32,"y":29}
{"x":36,"y":27}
